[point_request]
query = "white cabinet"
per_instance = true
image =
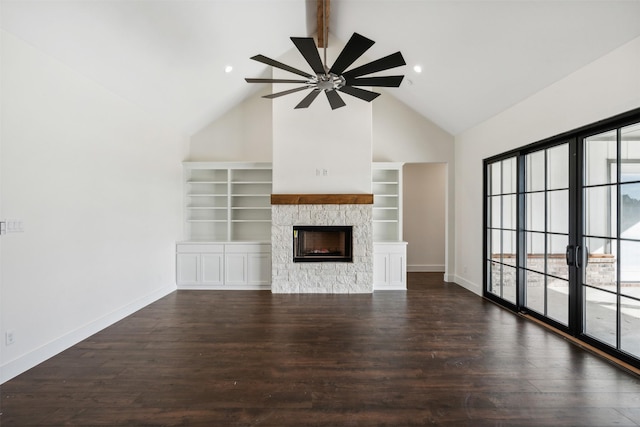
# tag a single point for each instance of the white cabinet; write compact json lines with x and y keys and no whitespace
{"x":227,"y":201}
{"x":390,"y":266}
{"x":199,"y":264}
{"x":387,"y":201}
{"x":248,"y":264}
{"x":223,"y":265}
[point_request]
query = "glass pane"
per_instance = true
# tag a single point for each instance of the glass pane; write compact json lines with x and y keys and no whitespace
{"x":558,"y":211}
{"x":535,"y":291}
{"x":509,"y":247}
{"x":535,"y":251}
{"x":495,"y":287}
{"x":600,"y":150}
{"x":496,"y":211}
{"x":629,"y":266}
{"x":496,"y":245}
{"x":496,"y":178}
{"x":558,"y":299}
{"x":630,"y":325}
{"x":509,"y":283}
{"x":630,"y":211}
{"x":630,"y":148}
{"x":600,"y":211}
{"x":601,"y":268}
{"x":600,"y":315}
{"x":556,"y":255}
{"x":558,"y":167}
{"x":630,"y":170}
{"x":509,"y":175}
{"x":509,"y":205}
{"x":535,"y":211}
{"x":535,"y":171}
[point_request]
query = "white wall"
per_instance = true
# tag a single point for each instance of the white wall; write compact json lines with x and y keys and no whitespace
{"x":97,"y":184}
{"x":243,"y":134}
{"x":604,"y":88}
{"x":317,"y":149}
{"x":402,"y":135}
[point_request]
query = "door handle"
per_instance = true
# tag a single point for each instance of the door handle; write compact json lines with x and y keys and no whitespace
{"x":570,"y":256}
{"x":582,"y":256}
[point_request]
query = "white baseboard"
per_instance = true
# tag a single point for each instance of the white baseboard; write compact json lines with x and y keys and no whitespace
{"x":33,"y":358}
{"x":377,"y":288}
{"x":470,"y":286}
{"x":425,"y":268}
{"x":224,"y":287}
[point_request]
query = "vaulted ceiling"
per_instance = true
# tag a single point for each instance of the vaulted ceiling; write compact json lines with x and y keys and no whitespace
{"x":478,"y":57}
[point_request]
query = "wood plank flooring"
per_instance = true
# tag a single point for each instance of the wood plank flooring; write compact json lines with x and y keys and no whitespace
{"x":434,"y":355}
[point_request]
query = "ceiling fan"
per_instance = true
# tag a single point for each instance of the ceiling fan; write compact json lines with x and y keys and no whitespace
{"x":337,"y":78}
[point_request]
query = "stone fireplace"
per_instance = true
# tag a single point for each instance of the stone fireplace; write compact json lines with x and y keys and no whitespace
{"x":326,"y":276}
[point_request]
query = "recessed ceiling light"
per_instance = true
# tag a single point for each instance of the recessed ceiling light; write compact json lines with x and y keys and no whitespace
{"x":228,"y":69}
{"x":417,"y":69}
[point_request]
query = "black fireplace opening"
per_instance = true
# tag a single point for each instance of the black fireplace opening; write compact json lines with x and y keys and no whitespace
{"x":319,"y":243}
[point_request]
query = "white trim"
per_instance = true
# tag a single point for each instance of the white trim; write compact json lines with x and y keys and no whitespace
{"x":470,"y":286}
{"x":426,"y":268}
{"x":224,"y":287}
{"x":389,"y":288}
{"x":27,"y":361}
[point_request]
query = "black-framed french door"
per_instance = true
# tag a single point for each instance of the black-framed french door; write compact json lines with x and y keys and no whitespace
{"x":562,"y":233}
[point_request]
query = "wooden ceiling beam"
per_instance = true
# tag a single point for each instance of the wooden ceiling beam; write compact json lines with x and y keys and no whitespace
{"x":323,"y":17}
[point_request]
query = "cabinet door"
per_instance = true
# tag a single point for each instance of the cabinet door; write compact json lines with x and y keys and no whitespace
{"x":259,"y":268}
{"x":380,"y":268}
{"x":396,"y":269}
{"x":188,"y":269}
{"x":212,"y":269}
{"x":235,"y":269}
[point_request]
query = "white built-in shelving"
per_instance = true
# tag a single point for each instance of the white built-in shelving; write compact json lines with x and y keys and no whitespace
{"x":387,"y":201}
{"x":227,"y":226}
{"x":227,"y":202}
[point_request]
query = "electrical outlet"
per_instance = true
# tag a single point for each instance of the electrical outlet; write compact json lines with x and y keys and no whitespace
{"x":9,"y":337}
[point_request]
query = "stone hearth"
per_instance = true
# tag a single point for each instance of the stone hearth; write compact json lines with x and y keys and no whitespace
{"x":322,"y":277}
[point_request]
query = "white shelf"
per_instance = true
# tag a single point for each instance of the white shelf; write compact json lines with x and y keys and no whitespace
{"x":227,"y":201}
{"x":387,"y":196}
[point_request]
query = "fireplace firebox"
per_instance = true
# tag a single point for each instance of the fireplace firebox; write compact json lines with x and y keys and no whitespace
{"x":319,"y":243}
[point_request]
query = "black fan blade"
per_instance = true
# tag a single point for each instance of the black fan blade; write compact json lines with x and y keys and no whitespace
{"x":367,"y":95}
{"x":308,"y":49}
{"x":391,"y":61}
{"x":274,"y":63}
{"x":308,"y":99}
{"x":385,"y":81}
{"x":248,"y":80}
{"x":286,"y":92}
{"x":355,"y":47}
{"x":334,"y":99}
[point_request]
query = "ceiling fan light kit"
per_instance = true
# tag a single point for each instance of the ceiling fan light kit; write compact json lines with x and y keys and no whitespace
{"x":337,"y":78}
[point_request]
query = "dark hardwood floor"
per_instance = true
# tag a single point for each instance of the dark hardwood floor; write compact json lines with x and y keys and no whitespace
{"x":434,"y":355}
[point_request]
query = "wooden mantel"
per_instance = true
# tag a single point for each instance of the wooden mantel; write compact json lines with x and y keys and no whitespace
{"x":322,"y":199}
